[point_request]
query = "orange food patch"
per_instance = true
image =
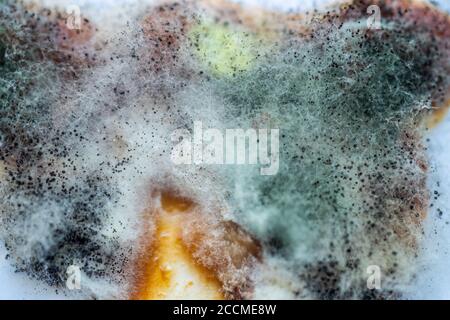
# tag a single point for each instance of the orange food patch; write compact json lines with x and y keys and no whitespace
{"x":171,"y":272}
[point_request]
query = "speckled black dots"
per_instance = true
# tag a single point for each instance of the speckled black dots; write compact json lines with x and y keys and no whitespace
{"x":49,"y":220}
{"x":349,"y":102}
{"x":86,"y":123}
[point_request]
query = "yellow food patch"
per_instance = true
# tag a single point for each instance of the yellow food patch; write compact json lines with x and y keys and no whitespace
{"x":172,"y":273}
{"x":222,"y":49}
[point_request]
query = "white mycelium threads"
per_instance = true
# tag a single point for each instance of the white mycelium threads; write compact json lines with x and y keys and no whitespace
{"x":86,"y":130}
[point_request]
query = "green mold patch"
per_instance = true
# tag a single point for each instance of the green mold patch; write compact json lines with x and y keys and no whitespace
{"x":350,"y":106}
{"x":222,"y":49}
{"x":84,"y":147}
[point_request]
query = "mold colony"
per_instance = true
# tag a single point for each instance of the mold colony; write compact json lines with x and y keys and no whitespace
{"x":86,"y":120}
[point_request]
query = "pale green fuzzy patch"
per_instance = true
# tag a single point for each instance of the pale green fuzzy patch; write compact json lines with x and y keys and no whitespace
{"x":223,"y":49}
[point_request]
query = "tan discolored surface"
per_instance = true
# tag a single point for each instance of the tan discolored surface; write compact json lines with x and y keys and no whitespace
{"x":171,"y":272}
{"x":438,"y":115}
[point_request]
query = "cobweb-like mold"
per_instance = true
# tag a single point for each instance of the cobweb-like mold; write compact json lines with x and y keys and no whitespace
{"x":86,"y":124}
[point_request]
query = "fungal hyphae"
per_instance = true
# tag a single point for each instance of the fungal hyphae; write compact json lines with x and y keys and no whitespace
{"x":87,"y":120}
